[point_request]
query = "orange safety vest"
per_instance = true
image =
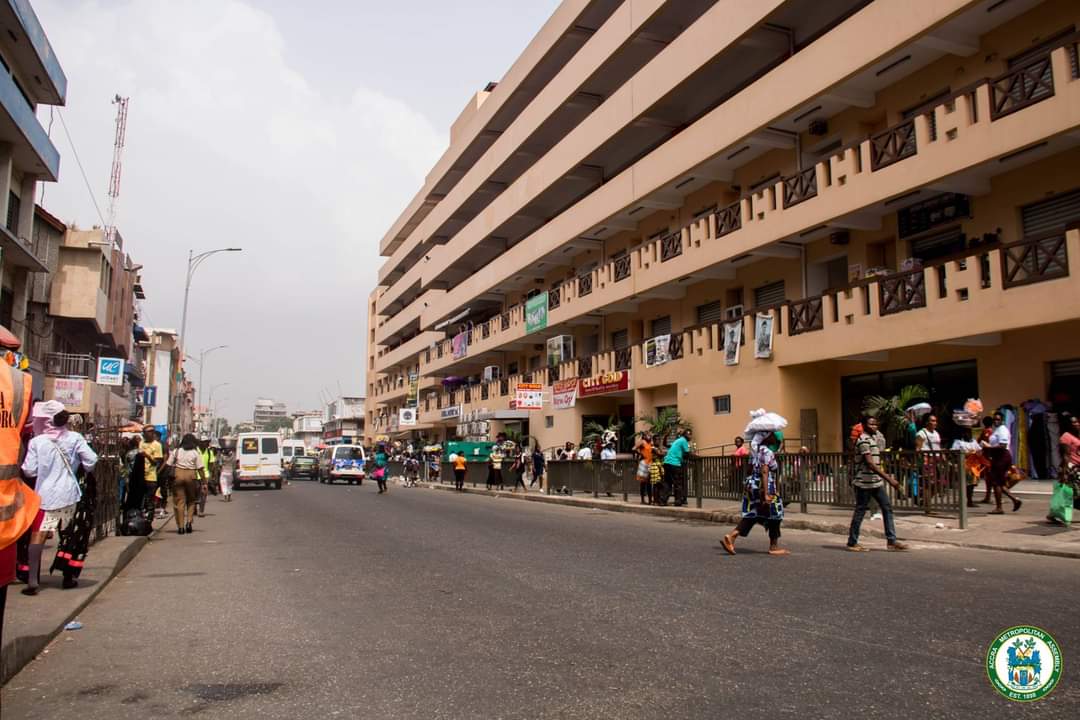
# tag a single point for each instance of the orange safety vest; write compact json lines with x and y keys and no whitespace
{"x":18,"y":503}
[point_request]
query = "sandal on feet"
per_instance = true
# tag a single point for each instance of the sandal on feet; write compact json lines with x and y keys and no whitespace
{"x":777,"y":552}
{"x":729,"y":546}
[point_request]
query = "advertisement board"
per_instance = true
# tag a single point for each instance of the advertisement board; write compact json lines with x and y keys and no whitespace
{"x":529,"y":396}
{"x":604,"y":383}
{"x":564,"y":394}
{"x":536,"y":313}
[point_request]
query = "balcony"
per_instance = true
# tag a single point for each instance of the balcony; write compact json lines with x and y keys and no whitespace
{"x":32,"y":149}
{"x":407,"y":351}
{"x":70,"y":365}
{"x":36,"y":53}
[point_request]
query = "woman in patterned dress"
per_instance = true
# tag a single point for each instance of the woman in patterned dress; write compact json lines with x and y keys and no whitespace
{"x":761,"y":503}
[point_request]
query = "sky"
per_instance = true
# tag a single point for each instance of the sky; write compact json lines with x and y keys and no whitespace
{"x":297,"y":131}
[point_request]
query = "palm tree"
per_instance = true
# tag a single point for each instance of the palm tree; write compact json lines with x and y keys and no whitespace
{"x":664,"y":425}
{"x":889,"y":411}
{"x":593,"y":431}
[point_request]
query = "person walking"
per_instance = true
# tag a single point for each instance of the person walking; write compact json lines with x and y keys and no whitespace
{"x":761,"y":503}
{"x":458,"y":461}
{"x":53,"y":457}
{"x":495,"y":460}
{"x":154,"y":457}
{"x":643,"y":449}
{"x":675,"y":467}
{"x":226,"y":466}
{"x":996,"y":449}
{"x":380,"y":468}
{"x":538,"y":464}
{"x":202,"y":484}
{"x":186,"y":462}
{"x":928,"y":442}
{"x":869,"y":482}
{"x":522,"y":461}
{"x":984,"y":439}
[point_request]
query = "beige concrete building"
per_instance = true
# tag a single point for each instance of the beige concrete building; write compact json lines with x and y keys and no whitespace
{"x":856,"y":195}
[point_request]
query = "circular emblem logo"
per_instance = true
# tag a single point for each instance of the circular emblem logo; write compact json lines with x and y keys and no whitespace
{"x":1024,"y":663}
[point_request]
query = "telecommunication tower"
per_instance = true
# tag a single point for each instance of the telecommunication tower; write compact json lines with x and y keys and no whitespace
{"x":121,"y":104}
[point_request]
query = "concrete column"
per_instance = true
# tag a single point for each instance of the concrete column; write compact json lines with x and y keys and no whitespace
{"x":27,"y":197}
{"x":21,"y":280}
{"x":5,"y":179}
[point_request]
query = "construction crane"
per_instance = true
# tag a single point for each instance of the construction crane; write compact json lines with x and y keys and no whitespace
{"x":121,"y":104}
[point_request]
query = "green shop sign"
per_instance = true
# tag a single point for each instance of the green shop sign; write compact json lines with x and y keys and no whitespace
{"x":536,"y":312}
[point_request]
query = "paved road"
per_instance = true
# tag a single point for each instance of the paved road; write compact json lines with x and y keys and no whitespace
{"x":323,"y":602}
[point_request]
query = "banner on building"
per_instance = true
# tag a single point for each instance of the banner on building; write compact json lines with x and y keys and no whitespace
{"x":407,"y":417}
{"x":763,"y":335}
{"x":604,"y":383}
{"x":732,"y":341}
{"x":529,"y":396}
{"x":657,"y":350}
{"x":536,"y":313}
{"x":110,"y":371}
{"x":459,"y":345}
{"x":564,"y":394}
{"x":448,"y":413}
{"x":412,"y":399}
{"x":70,"y":393}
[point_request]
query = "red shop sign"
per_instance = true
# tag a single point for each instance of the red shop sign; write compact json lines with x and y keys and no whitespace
{"x":608,"y":382}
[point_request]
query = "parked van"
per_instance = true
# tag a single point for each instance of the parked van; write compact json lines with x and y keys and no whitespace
{"x":342,"y":462}
{"x":289,"y":449}
{"x":258,"y":459}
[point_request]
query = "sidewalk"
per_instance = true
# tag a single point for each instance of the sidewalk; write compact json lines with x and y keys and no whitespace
{"x":1025,"y":531}
{"x":30,"y":623}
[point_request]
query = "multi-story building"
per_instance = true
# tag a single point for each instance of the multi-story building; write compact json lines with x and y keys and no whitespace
{"x":717,"y":206}
{"x":308,"y":427}
{"x":267,"y":412}
{"x":30,"y":75}
{"x":170,"y":400}
{"x":343,"y":421}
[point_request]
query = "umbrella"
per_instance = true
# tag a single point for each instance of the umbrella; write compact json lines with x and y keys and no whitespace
{"x":761,"y":421}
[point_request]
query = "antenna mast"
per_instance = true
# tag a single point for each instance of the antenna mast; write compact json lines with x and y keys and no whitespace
{"x":114,"y":176}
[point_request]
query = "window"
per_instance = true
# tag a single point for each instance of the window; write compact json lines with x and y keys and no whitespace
{"x":286,"y":451}
{"x":710,"y":312}
{"x":534,"y":363}
{"x":269,"y":446}
{"x":512,"y":369}
{"x":721,"y":405}
{"x":13,"y":213}
{"x":250,"y":446}
{"x":620,"y":339}
{"x":770,"y":294}
{"x":348,"y":453}
{"x":549,"y":421}
{"x":7,"y":307}
{"x":660,"y":326}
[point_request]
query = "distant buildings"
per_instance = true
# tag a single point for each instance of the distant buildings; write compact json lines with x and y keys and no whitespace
{"x":268,"y":412}
{"x":308,"y":427}
{"x":343,"y":421}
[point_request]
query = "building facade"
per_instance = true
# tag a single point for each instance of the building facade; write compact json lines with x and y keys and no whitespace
{"x":715,"y":207}
{"x":308,"y":427}
{"x":268,"y":411}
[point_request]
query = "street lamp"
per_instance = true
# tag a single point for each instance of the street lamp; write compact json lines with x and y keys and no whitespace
{"x":194,"y":261}
{"x":202,"y":366}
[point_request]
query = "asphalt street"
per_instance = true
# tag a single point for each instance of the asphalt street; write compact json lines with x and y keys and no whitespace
{"x":332,"y":601}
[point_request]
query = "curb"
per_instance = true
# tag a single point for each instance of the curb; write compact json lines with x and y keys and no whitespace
{"x":730,"y":518}
{"x":22,"y":649}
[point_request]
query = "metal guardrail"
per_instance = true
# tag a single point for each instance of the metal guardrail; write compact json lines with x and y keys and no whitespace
{"x":69,"y":365}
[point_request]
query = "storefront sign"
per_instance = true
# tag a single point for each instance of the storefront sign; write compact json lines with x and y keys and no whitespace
{"x":110,"y":371}
{"x":459,"y":345}
{"x":606,"y":383}
{"x":536,"y":311}
{"x":454,"y":411}
{"x":763,"y":335}
{"x":657,"y":350}
{"x":564,"y":394}
{"x":529,"y":396}
{"x":69,"y":392}
{"x":407,"y":417}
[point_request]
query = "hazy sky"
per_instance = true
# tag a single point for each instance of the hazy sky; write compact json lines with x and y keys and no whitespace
{"x":296,"y":130}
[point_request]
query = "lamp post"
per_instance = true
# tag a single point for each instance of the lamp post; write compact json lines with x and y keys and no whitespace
{"x":202,"y":367}
{"x":210,"y":399}
{"x":194,"y":261}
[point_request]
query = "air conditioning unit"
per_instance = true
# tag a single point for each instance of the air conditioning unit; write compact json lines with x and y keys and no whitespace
{"x":492,"y":372}
{"x":734,"y":312}
{"x":560,"y":349}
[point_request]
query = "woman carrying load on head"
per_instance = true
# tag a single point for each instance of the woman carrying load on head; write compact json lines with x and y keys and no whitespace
{"x":761,"y":503}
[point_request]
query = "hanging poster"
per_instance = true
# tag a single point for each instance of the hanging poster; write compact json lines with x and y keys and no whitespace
{"x":657,"y":350}
{"x":412,"y":399}
{"x":69,"y":392}
{"x":536,"y":309}
{"x":763,"y":335}
{"x":732,"y":341}
{"x":529,"y":396}
{"x":459,"y":346}
{"x":564,"y":394}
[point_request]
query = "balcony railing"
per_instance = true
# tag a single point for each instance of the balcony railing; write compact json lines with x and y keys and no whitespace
{"x":1021,"y":87}
{"x":504,"y":387}
{"x":902,"y":292}
{"x":504,"y":321}
{"x":728,"y":219}
{"x":675,"y":346}
{"x":892,"y":145}
{"x":584,"y":366}
{"x":622,"y":267}
{"x":671,"y":246}
{"x":1034,"y":259}
{"x":554,"y":297}
{"x":622,"y":359}
{"x":69,"y":365}
{"x":805,"y":316}
{"x":800,"y":187}
{"x":584,"y":284}
{"x":484,"y":392}
{"x":552,"y":373}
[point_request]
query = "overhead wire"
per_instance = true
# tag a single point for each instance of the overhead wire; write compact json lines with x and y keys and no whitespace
{"x":82,"y":170}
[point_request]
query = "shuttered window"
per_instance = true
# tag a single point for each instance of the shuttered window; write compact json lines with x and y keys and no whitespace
{"x":1065,"y":368}
{"x":1051,"y":214}
{"x":620,"y":339}
{"x":938,"y":245}
{"x":660,"y":326}
{"x":771,"y":294}
{"x":710,"y":312}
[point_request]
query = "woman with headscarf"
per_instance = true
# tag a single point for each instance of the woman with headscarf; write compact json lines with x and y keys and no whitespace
{"x":54,"y":457}
{"x":761,"y":503}
{"x":188,"y":470}
{"x":996,"y":449}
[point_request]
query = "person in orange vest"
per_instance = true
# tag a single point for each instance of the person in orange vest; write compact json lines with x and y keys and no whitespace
{"x":18,"y":503}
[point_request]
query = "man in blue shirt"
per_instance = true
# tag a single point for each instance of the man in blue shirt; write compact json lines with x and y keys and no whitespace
{"x":675,"y":467}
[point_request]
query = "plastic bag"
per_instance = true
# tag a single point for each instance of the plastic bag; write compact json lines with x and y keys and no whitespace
{"x":1061,"y":504}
